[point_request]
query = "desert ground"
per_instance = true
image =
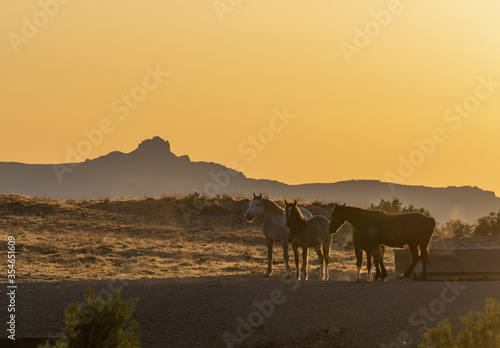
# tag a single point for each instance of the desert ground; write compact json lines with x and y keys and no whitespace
{"x":197,"y":267}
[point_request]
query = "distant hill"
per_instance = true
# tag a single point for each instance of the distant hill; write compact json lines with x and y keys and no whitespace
{"x":152,"y":170}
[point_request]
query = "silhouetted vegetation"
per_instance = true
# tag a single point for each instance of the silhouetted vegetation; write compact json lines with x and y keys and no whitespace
{"x":207,"y":203}
{"x":396,"y":206}
{"x":459,"y":228}
{"x":488,"y":225}
{"x":481,"y":330}
{"x":99,"y":323}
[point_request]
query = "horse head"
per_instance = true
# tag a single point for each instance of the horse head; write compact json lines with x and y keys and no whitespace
{"x":292,"y":213}
{"x":288,"y":208}
{"x":336,"y":218}
{"x":255,"y":208}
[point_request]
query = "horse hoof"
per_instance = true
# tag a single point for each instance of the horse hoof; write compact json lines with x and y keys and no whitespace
{"x":267,"y":275}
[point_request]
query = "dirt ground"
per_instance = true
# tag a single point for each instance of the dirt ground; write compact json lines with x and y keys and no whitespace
{"x":223,"y":311}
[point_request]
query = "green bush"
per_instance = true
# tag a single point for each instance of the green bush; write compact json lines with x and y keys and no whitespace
{"x":99,"y":323}
{"x":481,"y":330}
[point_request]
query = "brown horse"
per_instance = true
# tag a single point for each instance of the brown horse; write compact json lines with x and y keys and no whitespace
{"x":362,"y":243}
{"x":393,"y":230}
{"x":305,"y":234}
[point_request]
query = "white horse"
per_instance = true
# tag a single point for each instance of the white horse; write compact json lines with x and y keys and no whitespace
{"x":274,"y":227}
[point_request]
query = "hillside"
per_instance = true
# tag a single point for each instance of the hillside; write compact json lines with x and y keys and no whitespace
{"x":152,"y":170}
{"x":165,"y":237}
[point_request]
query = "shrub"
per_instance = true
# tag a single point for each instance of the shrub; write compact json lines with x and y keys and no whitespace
{"x":396,"y":206}
{"x":481,"y":330}
{"x":488,"y":225}
{"x":458,"y":228}
{"x":99,"y":323}
{"x":194,"y":199}
{"x":207,"y":203}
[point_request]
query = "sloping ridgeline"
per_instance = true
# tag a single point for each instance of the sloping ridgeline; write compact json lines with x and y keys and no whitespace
{"x":153,"y":170}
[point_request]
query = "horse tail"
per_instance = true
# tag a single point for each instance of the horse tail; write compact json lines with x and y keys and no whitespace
{"x":432,"y":228}
{"x":427,"y":259}
{"x":433,"y":223}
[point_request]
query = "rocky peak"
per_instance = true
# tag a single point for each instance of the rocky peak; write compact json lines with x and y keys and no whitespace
{"x":156,"y":145}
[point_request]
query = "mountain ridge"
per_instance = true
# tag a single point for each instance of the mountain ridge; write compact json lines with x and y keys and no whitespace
{"x":152,"y":169}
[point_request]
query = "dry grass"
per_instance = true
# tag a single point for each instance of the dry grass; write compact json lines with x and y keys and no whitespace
{"x":166,"y":237}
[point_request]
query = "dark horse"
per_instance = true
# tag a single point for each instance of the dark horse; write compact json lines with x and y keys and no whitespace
{"x":360,"y":243}
{"x":308,"y":233}
{"x":393,"y":230}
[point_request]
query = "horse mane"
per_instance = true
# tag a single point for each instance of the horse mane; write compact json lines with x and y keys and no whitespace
{"x":272,"y":207}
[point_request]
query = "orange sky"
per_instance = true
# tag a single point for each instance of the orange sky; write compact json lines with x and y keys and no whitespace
{"x":363,"y":83}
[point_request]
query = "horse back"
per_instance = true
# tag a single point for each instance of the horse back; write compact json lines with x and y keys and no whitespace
{"x":317,"y":228}
{"x":306,"y":213}
{"x":311,"y":232}
{"x":404,"y":228}
{"x":318,"y":222}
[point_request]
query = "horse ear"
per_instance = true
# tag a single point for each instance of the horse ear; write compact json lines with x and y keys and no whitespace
{"x":286,"y":203}
{"x":260,"y":195}
{"x":254,"y":195}
{"x":295,"y":203}
{"x":343,"y":205}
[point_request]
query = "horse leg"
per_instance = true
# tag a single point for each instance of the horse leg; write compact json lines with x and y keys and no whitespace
{"x":284,"y":243}
{"x":376,"y":260}
{"x":326,"y":257}
{"x":321,"y":260}
{"x":359,"y":259}
{"x":296,"y":254}
{"x":270,"y":245}
{"x":424,"y":255}
{"x":304,"y":263}
{"x":382,"y":267}
{"x":378,"y":274}
{"x":369,"y":264}
{"x":379,"y":263}
{"x":414,"y":260}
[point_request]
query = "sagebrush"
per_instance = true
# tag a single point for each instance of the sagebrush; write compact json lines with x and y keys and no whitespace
{"x":99,"y":323}
{"x":482,"y":329}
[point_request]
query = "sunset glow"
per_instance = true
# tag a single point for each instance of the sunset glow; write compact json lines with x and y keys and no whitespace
{"x":292,"y":91}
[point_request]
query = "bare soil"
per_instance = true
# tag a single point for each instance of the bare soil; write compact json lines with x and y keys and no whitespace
{"x":208,"y":311}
